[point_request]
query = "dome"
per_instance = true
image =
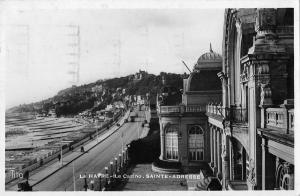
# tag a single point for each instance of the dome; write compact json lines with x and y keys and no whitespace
{"x":205,"y":80}
{"x":209,"y":56}
{"x":209,"y":59}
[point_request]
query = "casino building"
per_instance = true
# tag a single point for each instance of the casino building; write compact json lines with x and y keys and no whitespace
{"x":252,"y":143}
{"x":235,"y":116}
{"x":184,"y":132}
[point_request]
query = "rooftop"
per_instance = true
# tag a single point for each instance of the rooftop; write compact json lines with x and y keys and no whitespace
{"x":204,"y":81}
{"x":209,"y":60}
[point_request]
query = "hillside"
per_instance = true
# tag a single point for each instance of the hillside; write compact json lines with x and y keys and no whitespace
{"x":98,"y":95}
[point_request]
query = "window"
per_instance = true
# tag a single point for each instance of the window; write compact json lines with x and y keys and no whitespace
{"x":285,"y":179}
{"x":196,"y":143}
{"x":171,"y":139}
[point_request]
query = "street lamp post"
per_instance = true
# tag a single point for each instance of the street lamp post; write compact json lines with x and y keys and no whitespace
{"x":106,"y":176}
{"x":100,"y":185}
{"x":120,"y":161}
{"x":111,"y":167}
{"x":125,"y":155}
{"x":111,"y":172}
{"x":92,"y":184}
{"x":116,"y":163}
{"x":74,"y":182}
{"x":85,"y":186}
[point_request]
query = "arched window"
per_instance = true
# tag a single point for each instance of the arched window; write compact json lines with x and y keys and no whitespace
{"x":171,"y":144}
{"x":196,"y":143}
{"x":285,"y":180}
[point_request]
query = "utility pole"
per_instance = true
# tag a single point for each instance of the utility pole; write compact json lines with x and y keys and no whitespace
{"x":74,"y":53}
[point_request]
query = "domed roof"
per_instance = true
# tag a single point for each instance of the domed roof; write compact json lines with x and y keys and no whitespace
{"x":210,"y":56}
{"x":207,"y":58}
{"x":204,"y":81}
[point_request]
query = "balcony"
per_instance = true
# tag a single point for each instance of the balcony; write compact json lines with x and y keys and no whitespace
{"x":215,"y":109}
{"x":180,"y":109}
{"x":236,"y":115}
{"x":280,"y":119}
{"x":195,"y":108}
{"x":168,"y":109}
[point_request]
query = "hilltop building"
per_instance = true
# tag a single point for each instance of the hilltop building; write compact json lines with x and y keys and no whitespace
{"x":139,"y":75}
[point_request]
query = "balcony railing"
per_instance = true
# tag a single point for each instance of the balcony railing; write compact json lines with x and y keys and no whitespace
{"x":216,"y":109}
{"x":169,"y":109}
{"x":280,"y":118}
{"x":236,"y":115}
{"x":180,"y":109}
{"x":195,"y":108}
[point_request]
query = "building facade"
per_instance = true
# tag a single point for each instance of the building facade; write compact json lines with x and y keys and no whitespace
{"x":252,"y":143}
{"x":184,"y":132}
{"x":244,"y":137}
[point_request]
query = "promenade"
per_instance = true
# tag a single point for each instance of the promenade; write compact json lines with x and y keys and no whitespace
{"x":52,"y":167}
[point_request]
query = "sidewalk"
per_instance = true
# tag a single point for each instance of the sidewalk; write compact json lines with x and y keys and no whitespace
{"x":54,"y":167}
{"x":142,"y":178}
{"x":146,"y":127}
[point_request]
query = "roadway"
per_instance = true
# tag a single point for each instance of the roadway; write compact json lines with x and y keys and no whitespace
{"x":94,"y":160}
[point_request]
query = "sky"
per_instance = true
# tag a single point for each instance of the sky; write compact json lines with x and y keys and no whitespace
{"x":41,"y":45}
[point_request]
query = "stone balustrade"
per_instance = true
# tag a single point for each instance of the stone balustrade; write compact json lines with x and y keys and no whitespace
{"x":195,"y":108}
{"x":181,"y":109}
{"x":169,"y":109}
{"x":216,"y":109}
{"x":235,"y":114}
{"x":280,"y":118}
